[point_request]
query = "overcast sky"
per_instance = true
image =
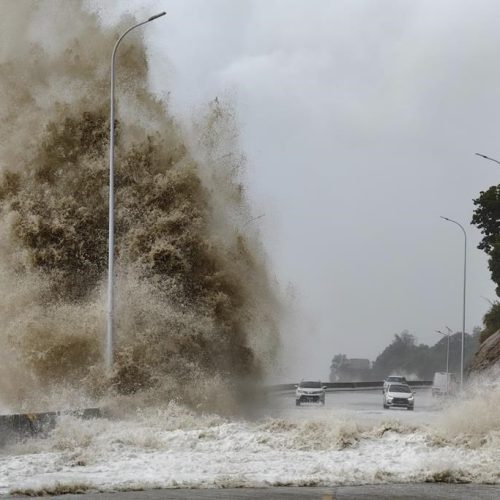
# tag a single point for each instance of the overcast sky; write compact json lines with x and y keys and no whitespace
{"x":360,"y":121}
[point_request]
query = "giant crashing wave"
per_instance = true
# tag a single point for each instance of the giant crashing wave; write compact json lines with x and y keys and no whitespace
{"x":196,"y":310}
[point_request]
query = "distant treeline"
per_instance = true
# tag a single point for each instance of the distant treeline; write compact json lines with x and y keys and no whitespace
{"x":403,"y":356}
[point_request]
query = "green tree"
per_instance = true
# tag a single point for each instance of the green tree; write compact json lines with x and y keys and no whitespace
{"x":338,"y":363}
{"x":491,"y":322}
{"x":486,"y":218}
{"x":403,"y":355}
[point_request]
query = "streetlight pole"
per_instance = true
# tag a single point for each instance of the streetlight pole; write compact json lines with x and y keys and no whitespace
{"x":111,"y":230}
{"x":447,"y":335}
{"x":463,"y":309}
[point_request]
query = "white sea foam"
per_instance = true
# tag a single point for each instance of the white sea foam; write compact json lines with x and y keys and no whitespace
{"x":175,"y":447}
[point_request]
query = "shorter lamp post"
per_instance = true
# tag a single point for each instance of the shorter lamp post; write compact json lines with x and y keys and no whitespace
{"x":447,"y":335}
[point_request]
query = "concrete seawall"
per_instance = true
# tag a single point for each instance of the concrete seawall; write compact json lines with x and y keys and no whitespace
{"x":24,"y":425}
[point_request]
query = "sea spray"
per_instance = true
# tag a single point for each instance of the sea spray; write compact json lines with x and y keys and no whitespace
{"x":196,"y":312}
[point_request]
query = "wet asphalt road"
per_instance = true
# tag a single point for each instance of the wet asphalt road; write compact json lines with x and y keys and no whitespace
{"x":365,"y":405}
{"x":370,"y":492}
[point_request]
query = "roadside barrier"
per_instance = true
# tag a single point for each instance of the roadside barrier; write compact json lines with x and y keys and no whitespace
{"x":24,"y":425}
{"x":346,"y":386}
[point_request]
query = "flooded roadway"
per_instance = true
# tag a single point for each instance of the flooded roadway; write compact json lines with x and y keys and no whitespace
{"x":351,"y":442}
{"x":365,"y":405}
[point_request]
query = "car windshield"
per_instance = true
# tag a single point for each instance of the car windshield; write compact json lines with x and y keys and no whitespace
{"x":399,"y":388}
{"x":311,"y":385}
{"x":395,"y":379}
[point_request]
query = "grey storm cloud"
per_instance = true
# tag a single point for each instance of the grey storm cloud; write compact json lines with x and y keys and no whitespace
{"x":359,"y":121}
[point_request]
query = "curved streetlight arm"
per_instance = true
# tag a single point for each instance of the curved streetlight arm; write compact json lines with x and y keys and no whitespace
{"x":463,"y":309}
{"x":253,"y":219}
{"x":113,"y":56}
{"x":457,"y":223}
{"x":111,"y":220}
{"x":487,"y":158}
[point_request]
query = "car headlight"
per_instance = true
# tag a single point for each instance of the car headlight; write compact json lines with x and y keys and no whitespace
{"x":389,"y":398}
{"x":410,"y":398}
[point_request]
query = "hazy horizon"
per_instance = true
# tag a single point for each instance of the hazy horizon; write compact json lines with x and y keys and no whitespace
{"x":359,"y":123}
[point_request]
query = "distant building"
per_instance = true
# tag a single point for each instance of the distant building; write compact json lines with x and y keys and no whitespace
{"x":358,"y":364}
{"x":350,"y":370}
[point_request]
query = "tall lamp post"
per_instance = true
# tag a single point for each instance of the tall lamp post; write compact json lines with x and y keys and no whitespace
{"x":447,"y":335}
{"x":463,"y":309}
{"x":111,"y":230}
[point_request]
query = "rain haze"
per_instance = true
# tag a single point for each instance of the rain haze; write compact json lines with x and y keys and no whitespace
{"x":359,"y":122}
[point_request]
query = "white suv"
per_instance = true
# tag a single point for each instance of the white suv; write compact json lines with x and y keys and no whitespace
{"x":399,"y":396}
{"x":310,"y":392}
{"x":393,"y":379}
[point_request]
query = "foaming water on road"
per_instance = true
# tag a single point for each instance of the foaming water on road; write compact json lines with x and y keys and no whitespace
{"x":176,"y":447}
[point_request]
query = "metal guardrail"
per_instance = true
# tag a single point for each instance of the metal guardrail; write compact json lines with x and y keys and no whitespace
{"x":332,"y":386}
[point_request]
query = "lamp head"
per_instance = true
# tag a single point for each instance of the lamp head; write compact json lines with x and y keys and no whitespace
{"x":152,"y":18}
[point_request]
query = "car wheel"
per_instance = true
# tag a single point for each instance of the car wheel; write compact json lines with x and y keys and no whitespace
{"x":410,"y":408}
{"x":297,"y":403}
{"x":385,"y":406}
